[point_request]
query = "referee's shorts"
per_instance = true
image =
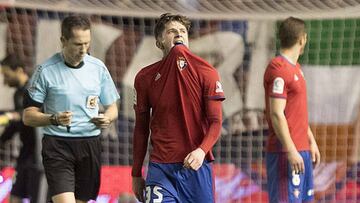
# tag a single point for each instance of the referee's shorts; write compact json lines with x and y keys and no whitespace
{"x":72,"y":165}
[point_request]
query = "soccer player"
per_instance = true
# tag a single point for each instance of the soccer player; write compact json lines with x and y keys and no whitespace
{"x":64,"y":96}
{"x":28,"y":172}
{"x":291,"y":147}
{"x":178,"y":99}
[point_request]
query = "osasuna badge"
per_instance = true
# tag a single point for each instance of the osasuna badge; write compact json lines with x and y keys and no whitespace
{"x":92,"y":102}
{"x":181,"y":63}
{"x":218,"y":87}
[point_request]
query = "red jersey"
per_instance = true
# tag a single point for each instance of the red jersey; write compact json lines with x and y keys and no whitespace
{"x":175,"y":90}
{"x":285,"y":80}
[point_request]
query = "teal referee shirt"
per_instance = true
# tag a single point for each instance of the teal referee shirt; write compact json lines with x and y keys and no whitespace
{"x":60,"y":87}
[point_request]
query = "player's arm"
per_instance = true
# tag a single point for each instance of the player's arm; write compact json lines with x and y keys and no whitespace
{"x":111,"y":111}
{"x":314,"y":149}
{"x":278,"y":119}
{"x":140,"y":143}
{"x":195,"y":159}
{"x":34,"y":117}
{"x":11,"y":129}
{"x":140,"y":136}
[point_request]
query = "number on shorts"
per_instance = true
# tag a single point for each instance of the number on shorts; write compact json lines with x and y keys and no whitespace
{"x":156,"y":192}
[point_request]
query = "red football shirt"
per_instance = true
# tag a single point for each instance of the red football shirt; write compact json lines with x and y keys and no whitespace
{"x":285,"y":80}
{"x":175,"y":91}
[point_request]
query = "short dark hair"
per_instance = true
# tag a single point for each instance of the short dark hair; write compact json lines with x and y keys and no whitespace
{"x":290,"y":31}
{"x":168,"y":17}
{"x":71,"y":22}
{"x":13,"y":61}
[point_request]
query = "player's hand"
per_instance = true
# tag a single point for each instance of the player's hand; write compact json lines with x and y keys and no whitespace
{"x":315,"y":154}
{"x":13,"y":116}
{"x":138,"y":187}
{"x":296,"y":162}
{"x":64,"y":118}
{"x":195,"y":159}
{"x":101,"y":121}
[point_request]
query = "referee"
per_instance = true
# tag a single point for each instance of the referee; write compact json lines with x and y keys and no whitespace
{"x":63,"y":96}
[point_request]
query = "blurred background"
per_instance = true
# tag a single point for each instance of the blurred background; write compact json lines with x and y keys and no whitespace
{"x":238,"y":37}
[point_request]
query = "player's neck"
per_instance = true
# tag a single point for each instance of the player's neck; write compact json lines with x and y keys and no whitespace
{"x":68,"y":60}
{"x":291,"y":54}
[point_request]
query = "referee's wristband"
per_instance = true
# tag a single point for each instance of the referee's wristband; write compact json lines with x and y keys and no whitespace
{"x":54,"y":120}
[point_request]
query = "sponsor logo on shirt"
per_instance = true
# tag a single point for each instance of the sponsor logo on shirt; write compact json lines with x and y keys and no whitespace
{"x":278,"y":86}
{"x":157,"y":77}
{"x":181,"y":63}
{"x":296,"y":78}
{"x":218,"y":87}
{"x":302,"y":73}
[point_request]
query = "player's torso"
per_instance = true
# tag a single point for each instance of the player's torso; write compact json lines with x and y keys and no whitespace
{"x":177,"y":121}
{"x":296,"y":105}
{"x":76,"y":90}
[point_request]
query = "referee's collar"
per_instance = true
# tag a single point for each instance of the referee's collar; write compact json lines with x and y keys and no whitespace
{"x":69,"y":65}
{"x":76,"y":67}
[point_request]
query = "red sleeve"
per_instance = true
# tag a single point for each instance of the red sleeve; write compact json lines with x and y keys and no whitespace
{"x":214,"y":95}
{"x":278,"y":81}
{"x":214,"y":117}
{"x":213,"y":88}
{"x":141,"y":131}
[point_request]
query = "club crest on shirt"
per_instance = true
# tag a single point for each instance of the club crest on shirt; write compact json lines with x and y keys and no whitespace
{"x":181,"y":63}
{"x":218,"y":87}
{"x":302,"y":74}
{"x":92,"y":102}
{"x":278,"y":86}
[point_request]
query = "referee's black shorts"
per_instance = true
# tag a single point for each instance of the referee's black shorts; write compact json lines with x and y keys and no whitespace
{"x":72,"y":165}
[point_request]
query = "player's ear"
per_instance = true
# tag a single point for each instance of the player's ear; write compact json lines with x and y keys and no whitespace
{"x":303,"y":39}
{"x":63,"y":40}
{"x":159,"y":45}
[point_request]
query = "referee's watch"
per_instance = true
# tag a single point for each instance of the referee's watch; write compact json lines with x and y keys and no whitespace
{"x":53,"y":120}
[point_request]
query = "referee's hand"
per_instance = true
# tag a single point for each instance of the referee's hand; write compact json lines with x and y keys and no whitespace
{"x":64,"y":118}
{"x":138,"y":187}
{"x":101,"y":121}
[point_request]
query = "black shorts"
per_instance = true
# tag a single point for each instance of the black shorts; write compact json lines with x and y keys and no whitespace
{"x":72,"y":165}
{"x":27,"y":182}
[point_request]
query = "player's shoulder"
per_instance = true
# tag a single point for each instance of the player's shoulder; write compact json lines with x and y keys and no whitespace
{"x":48,"y":64}
{"x":277,"y":62}
{"x":205,"y":68}
{"x":147,"y":71}
{"x":94,"y":61}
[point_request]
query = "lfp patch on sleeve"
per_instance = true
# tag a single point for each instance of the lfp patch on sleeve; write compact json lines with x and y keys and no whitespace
{"x":278,"y":86}
{"x":218,"y":87}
